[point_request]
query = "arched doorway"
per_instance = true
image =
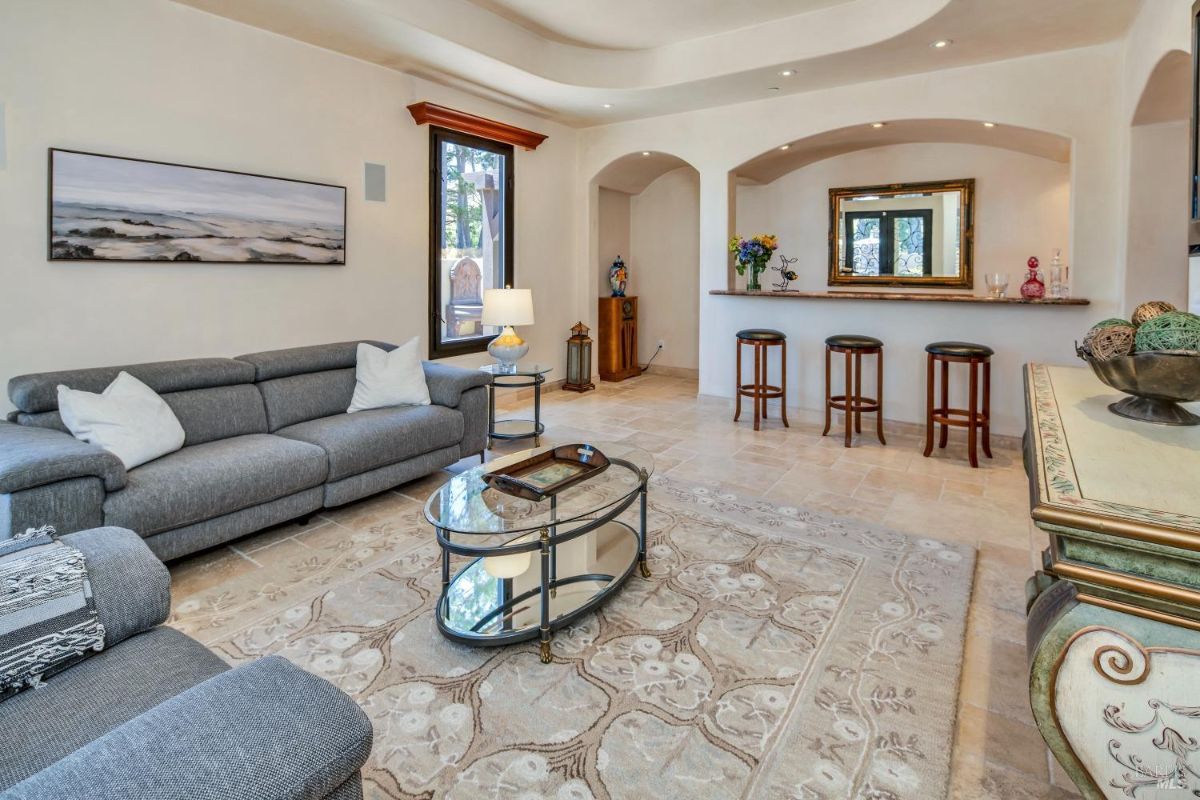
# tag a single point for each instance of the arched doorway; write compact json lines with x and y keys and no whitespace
{"x":646,"y":210}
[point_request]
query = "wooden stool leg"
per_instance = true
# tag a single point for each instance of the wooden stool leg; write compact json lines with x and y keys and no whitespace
{"x":928,"y":404}
{"x":849,"y":395}
{"x":879,"y":395}
{"x":737,"y":389}
{"x":783,"y":383}
{"x":945,"y":432}
{"x":754,"y":397}
{"x":858,"y":391}
{"x":972,"y":416}
{"x":987,"y":408}
{"x":762,"y":384}
{"x":828,"y":392}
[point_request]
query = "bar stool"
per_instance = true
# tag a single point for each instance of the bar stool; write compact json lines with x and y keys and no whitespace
{"x":762,"y":339}
{"x":853,"y":402}
{"x":972,"y":417}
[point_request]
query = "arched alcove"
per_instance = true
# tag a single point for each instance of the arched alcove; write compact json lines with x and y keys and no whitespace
{"x":1022,"y":179}
{"x":646,"y":209}
{"x":1156,"y":260}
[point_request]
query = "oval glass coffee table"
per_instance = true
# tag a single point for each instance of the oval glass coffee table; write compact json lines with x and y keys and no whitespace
{"x":536,"y":566}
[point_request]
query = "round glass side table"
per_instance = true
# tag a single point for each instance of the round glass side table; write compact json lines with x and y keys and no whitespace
{"x":522,"y":377}
{"x":536,"y":566}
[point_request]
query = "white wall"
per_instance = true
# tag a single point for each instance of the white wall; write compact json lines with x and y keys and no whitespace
{"x":1159,"y":203}
{"x":664,"y":268}
{"x":161,"y":81}
{"x":613,"y":236}
{"x":1022,"y":204}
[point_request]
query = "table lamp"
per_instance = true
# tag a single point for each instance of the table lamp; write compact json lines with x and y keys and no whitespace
{"x":505,"y":308}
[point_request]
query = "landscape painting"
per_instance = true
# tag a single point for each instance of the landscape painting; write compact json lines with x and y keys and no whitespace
{"x":106,"y":208}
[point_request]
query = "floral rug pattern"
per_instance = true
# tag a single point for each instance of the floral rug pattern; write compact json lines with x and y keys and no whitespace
{"x":774,"y":653}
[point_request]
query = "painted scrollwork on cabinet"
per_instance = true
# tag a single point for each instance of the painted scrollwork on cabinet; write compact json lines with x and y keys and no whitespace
{"x":1131,"y":714}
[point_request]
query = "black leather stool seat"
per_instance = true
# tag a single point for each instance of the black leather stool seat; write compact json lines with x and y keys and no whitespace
{"x":853,"y":341}
{"x":959,"y":349}
{"x":761,"y":335}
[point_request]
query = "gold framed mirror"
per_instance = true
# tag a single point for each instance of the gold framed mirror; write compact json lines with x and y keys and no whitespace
{"x":902,"y":234}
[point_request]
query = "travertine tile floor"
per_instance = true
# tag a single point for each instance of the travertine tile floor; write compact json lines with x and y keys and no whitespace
{"x":997,"y":752}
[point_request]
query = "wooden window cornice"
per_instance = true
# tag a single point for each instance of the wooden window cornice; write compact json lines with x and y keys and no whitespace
{"x":429,"y":113}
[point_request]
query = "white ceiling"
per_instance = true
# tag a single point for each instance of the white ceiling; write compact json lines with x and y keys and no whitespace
{"x":774,"y":163}
{"x":567,"y":59}
{"x":642,"y":24}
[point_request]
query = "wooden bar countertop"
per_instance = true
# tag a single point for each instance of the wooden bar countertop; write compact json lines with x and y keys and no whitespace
{"x":912,"y":297}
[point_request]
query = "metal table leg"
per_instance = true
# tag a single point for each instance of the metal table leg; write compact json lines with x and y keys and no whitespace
{"x":642,"y":533}
{"x":546,"y":655}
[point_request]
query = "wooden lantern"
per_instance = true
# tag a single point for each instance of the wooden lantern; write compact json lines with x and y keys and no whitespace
{"x":579,"y":360}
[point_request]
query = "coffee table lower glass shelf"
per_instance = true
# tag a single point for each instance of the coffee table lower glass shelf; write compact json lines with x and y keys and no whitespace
{"x":536,"y":567}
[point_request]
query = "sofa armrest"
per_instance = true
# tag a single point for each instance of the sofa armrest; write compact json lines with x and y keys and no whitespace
{"x":31,"y":457}
{"x":131,"y":587}
{"x":446,"y":383}
{"x":264,"y":730}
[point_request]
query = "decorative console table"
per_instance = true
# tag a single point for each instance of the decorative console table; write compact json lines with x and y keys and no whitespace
{"x":1114,"y":616}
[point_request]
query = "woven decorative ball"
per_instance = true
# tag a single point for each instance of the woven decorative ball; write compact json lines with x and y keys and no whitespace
{"x":1173,"y":332}
{"x":1148,"y":311}
{"x":1109,"y":339}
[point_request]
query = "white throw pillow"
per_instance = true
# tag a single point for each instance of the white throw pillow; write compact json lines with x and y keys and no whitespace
{"x":128,"y":419}
{"x":389,"y":379}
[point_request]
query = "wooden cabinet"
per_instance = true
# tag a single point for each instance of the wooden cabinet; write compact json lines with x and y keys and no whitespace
{"x":618,"y":338}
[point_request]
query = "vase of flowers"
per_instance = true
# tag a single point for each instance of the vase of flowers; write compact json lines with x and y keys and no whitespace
{"x":752,"y":255}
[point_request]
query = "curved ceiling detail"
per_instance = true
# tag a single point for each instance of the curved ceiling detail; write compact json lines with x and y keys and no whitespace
{"x":639,"y":25}
{"x":776,"y":163}
{"x":568,"y":59}
{"x":632,"y":173}
{"x":1167,"y":95}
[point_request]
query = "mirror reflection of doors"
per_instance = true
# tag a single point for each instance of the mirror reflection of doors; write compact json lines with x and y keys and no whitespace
{"x":890,"y":242}
{"x":902,"y":234}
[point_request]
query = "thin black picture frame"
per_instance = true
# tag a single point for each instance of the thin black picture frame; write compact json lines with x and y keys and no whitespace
{"x":437,"y":135}
{"x":50,"y":213}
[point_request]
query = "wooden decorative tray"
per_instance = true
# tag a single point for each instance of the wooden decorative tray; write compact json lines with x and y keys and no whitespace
{"x":549,"y":472}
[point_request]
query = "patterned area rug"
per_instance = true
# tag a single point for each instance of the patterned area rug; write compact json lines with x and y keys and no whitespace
{"x":773,"y":654}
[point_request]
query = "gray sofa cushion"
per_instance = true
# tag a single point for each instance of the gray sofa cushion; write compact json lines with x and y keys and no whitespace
{"x":218,"y":413}
{"x":366,"y":440}
{"x":39,"y":392}
{"x":264,"y":730}
{"x":211,"y":479}
{"x":300,"y":360}
{"x":131,"y":588}
{"x":96,"y":695}
{"x":299,"y":398}
{"x":32,"y":457}
{"x":447,"y":383}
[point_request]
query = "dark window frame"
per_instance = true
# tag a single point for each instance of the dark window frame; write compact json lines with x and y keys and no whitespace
{"x":437,"y":136}
{"x":887,"y":237}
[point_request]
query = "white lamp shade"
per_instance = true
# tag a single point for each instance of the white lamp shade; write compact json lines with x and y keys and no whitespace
{"x":507,"y":307}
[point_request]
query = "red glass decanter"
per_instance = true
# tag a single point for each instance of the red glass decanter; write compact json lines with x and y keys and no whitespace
{"x":1033,"y":288}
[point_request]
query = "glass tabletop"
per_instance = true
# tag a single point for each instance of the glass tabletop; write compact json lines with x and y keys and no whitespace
{"x":527,"y":368}
{"x":465,"y":504}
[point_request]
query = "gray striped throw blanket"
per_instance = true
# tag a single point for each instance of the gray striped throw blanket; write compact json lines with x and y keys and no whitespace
{"x":48,"y":619}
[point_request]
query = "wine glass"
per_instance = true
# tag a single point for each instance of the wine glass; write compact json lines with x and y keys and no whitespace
{"x":997,"y":284}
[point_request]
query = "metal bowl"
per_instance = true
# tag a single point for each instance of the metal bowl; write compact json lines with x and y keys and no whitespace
{"x":1158,"y":382}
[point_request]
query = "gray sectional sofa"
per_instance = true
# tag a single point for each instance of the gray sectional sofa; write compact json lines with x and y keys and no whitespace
{"x":157,"y":716}
{"x":267,"y":441}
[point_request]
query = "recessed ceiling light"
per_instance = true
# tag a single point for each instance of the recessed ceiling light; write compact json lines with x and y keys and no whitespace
{"x":785,"y":147}
{"x":941,"y":44}
{"x":608,"y":105}
{"x":645,"y":152}
{"x":878,"y":124}
{"x":989,"y":124}
{"x":787,"y":73}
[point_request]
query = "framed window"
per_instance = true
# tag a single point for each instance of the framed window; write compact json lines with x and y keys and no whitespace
{"x":470,"y":237}
{"x":890,"y":242}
